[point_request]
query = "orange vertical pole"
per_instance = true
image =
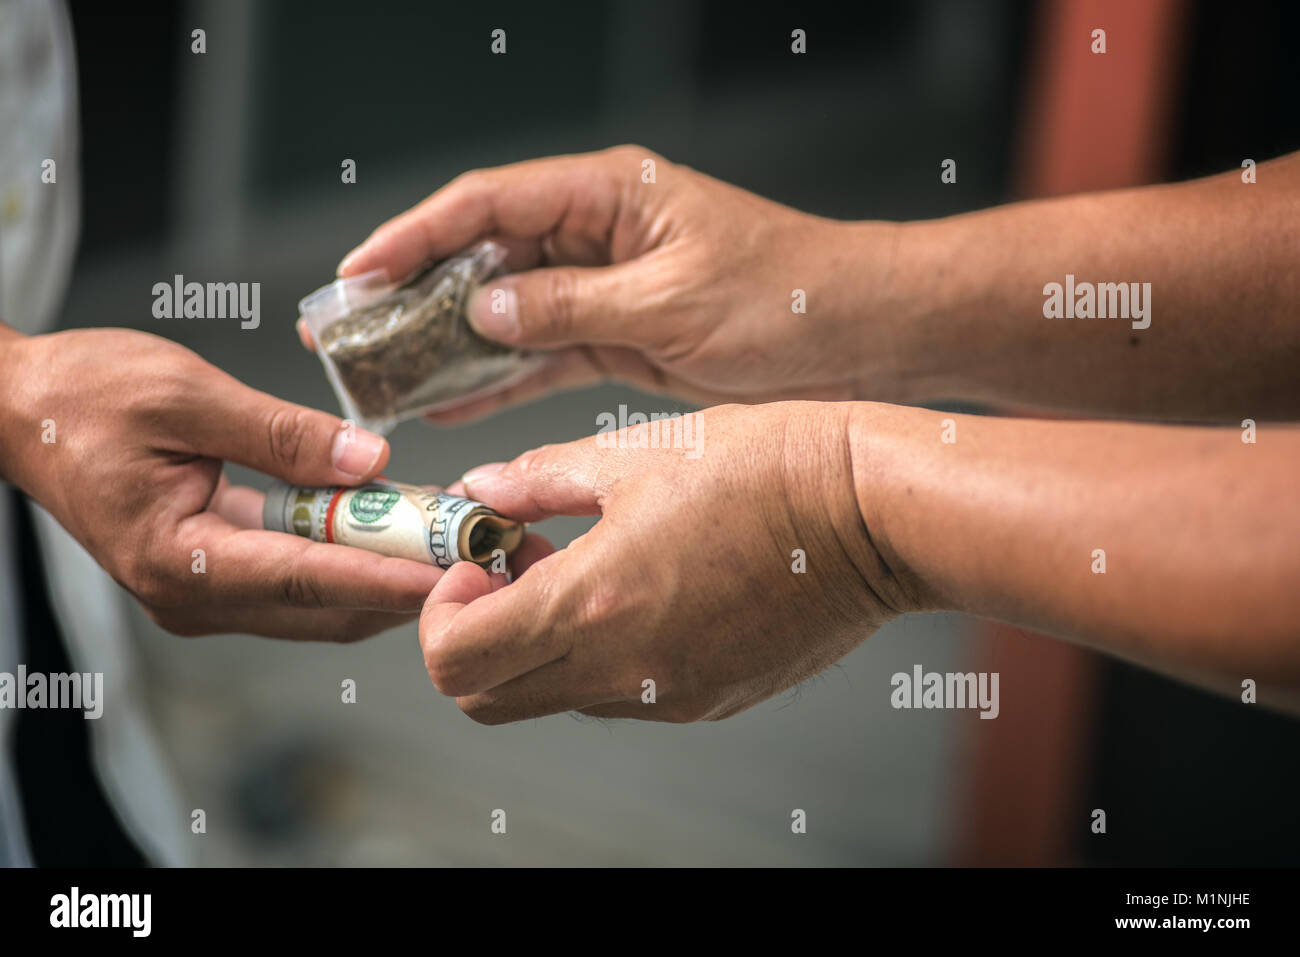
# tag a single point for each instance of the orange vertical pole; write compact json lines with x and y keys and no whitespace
{"x":1091,"y":121}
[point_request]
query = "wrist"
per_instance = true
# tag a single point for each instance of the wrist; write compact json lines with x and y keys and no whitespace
{"x":886,"y":473}
{"x":816,"y":466}
{"x":888,"y":306}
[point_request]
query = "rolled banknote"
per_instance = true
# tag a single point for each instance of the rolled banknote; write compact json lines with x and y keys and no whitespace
{"x":404,"y":521}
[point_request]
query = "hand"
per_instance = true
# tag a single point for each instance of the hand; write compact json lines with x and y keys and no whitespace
{"x":141,"y":427}
{"x":684,"y":285}
{"x":687,"y":580}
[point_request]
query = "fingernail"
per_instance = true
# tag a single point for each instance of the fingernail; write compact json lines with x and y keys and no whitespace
{"x":343,"y":263}
{"x":481,"y":473}
{"x":304,"y":334}
{"x":355,"y":451}
{"x":493,"y":311}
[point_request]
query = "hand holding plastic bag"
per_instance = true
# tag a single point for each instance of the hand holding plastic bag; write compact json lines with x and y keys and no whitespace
{"x":396,"y":351}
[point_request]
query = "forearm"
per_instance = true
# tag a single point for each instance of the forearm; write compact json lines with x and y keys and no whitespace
{"x":1013,"y":520}
{"x":964,"y":304}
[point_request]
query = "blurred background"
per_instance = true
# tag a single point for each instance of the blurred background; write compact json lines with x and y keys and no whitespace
{"x":225,"y":166}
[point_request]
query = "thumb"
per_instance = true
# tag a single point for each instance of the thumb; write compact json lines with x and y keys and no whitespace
{"x":570,"y":479}
{"x":300,"y":445}
{"x":564,"y":305}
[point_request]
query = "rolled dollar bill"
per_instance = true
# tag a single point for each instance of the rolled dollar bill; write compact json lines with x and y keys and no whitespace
{"x":404,"y":521}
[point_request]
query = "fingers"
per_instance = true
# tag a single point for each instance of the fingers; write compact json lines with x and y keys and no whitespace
{"x":474,"y":639}
{"x":247,"y":566}
{"x":294,"y":624}
{"x":239,"y":505}
{"x":570,"y":305}
{"x":552,"y":689}
{"x":504,"y":655}
{"x":522,"y":201}
{"x":568,"y":479}
{"x":300,"y":445}
{"x":531,"y":550}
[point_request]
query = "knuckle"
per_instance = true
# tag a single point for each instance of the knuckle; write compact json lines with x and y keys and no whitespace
{"x":170,"y":385}
{"x":630,"y":151}
{"x":447,"y":673}
{"x":148,"y":582}
{"x":470,"y":181}
{"x":286,"y":431}
{"x":150,"y":399}
{"x":560,"y":298}
{"x":299,"y":589}
{"x":600,"y":606}
{"x":598,"y":599}
{"x":532,"y":462}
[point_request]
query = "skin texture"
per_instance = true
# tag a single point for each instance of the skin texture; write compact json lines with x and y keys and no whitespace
{"x":697,"y":301}
{"x":651,"y":591}
{"x":671,"y":287}
{"x":1198,"y":529}
{"x":1220,"y":255}
{"x":684,"y":286}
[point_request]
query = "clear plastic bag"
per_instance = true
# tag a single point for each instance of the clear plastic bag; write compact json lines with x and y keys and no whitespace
{"x":394,"y":351}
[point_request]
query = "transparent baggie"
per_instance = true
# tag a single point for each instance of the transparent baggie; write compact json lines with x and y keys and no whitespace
{"x":394,"y":351}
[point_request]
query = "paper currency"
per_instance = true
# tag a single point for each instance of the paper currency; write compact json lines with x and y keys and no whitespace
{"x":403,"y":521}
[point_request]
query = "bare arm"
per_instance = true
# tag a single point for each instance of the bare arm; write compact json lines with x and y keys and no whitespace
{"x":1223,"y":261}
{"x":1200,"y":534}
{"x":695,"y":287}
{"x":736,"y":567}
